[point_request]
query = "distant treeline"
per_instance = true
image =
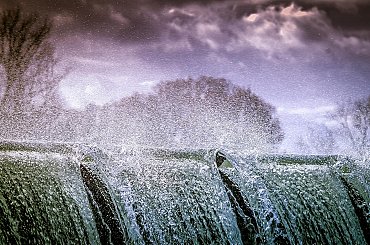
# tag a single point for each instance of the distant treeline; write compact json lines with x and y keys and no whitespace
{"x":204,"y":112}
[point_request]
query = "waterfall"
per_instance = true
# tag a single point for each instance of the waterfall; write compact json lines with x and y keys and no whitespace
{"x":78,"y":194}
{"x":42,"y":198}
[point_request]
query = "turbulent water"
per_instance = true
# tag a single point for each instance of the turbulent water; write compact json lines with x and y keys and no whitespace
{"x":76,"y":194}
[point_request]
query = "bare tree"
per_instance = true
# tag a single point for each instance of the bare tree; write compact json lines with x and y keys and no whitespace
{"x":28,"y":62}
{"x":354,"y":118}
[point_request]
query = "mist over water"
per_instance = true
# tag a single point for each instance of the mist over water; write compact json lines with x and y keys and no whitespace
{"x":77,"y":193}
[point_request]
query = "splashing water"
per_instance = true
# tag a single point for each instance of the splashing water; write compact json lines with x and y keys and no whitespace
{"x":71,"y":193}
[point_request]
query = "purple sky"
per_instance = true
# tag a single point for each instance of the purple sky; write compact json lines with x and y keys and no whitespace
{"x":302,"y":57}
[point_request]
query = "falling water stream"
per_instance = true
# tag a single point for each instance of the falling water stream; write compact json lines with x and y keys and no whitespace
{"x":77,"y":194}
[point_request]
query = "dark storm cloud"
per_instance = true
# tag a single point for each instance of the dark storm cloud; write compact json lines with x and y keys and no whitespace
{"x":138,"y":21}
{"x":112,"y":19}
{"x":356,"y":17}
{"x":275,"y":30}
{"x":151,"y":20}
{"x":305,"y":30}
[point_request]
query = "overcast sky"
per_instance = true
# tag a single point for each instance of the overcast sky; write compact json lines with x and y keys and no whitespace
{"x":302,"y":56}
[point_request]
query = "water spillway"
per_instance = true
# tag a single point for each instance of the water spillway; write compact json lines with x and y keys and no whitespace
{"x":42,"y":198}
{"x":77,"y":194}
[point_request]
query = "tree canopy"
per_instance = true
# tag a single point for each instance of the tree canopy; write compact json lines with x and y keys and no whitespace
{"x":204,"y":112}
{"x":27,"y":60}
{"x":28,"y":76}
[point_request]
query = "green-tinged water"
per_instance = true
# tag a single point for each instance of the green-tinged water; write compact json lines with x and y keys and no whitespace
{"x":174,"y":198}
{"x":306,"y":203}
{"x":76,"y":194}
{"x":43,"y":201}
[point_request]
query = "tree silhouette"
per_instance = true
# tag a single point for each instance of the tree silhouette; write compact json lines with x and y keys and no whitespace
{"x":27,"y":60}
{"x":204,"y":112}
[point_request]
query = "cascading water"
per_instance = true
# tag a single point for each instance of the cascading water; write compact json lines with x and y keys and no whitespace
{"x":60,"y":193}
{"x":42,"y":198}
{"x":299,"y":202}
{"x":177,"y":197}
